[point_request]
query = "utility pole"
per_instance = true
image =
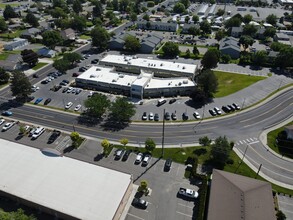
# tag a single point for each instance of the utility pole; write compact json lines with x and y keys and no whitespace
{"x":242,"y":159}
{"x":163,"y":133}
{"x":258,"y":171}
{"x":243,"y":103}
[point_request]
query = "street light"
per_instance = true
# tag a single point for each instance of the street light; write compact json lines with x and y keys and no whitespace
{"x":163,"y":133}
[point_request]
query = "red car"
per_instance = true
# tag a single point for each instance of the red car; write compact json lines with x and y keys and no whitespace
{"x":75,"y":74}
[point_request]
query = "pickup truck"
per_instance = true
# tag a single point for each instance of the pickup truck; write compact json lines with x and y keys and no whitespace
{"x":188,"y":193}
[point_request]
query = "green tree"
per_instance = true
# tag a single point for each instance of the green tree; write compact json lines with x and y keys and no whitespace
{"x":280,"y":215}
{"x":276,"y":46}
{"x":194,"y":166}
{"x":220,"y":150}
{"x":78,"y":23}
{"x":195,"y":18}
{"x":97,"y":105}
{"x":205,"y":141}
{"x":72,"y":57}
{"x":198,"y":96}
{"x":77,"y":7}
{"x":193,"y":31}
{"x":31,"y":19}
{"x":187,"y":18}
{"x":115,"y":4}
{"x":143,"y":187}
{"x":100,"y":37}
{"x":220,"y":12}
{"x":250,"y":30}
{"x":187,"y":53}
{"x":207,"y":82}
{"x":3,"y":25}
{"x":131,"y":43}
{"x":20,"y":85}
{"x":106,"y":146}
{"x":210,"y":59}
{"x":58,"y":13}
{"x":123,"y":4}
{"x":233,"y":22}
{"x":61,"y":65}
{"x":17,"y":215}
{"x":170,"y":49}
{"x":146,"y":17}
{"x":150,"y":145}
{"x":195,"y":51}
{"x":97,"y":9}
{"x":272,"y":19}
{"x":247,"y":18}
{"x":245,"y":58}
{"x":150,"y":4}
{"x":121,"y":111}
{"x":4,"y":76}
{"x":246,"y":41}
{"x":75,"y":138}
{"x":9,"y":12}
{"x":30,"y":57}
{"x":133,"y":17}
{"x":225,"y":58}
{"x":124,"y":141}
{"x":285,"y":57}
{"x":186,"y":3}
{"x":220,"y":34}
{"x":260,"y":58}
{"x":205,"y":26}
{"x":270,"y":32}
{"x":179,"y":8}
{"x":51,"y":39}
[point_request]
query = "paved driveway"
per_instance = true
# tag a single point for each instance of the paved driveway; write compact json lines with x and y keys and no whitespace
{"x":286,"y":206}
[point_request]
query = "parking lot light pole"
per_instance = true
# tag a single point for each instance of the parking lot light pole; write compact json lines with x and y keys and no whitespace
{"x":163,"y":133}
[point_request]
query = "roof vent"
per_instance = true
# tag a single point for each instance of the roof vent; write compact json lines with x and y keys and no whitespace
{"x":161,"y":64}
{"x":92,"y":76}
{"x":180,"y":83}
{"x":121,"y":75}
{"x":183,"y":67}
{"x":98,"y":69}
{"x":114,"y":80}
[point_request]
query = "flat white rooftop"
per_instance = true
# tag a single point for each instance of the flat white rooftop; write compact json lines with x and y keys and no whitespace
{"x":76,"y":188}
{"x":150,"y":63}
{"x":167,"y":83}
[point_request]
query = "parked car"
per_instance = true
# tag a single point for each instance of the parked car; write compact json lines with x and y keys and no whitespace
{"x":151,"y":116}
{"x":196,"y":115}
{"x":174,"y":116}
{"x":138,"y":158}
{"x":168,"y":164}
{"x":77,"y":107}
{"x":35,"y":88}
{"x":8,"y":125}
{"x":55,"y":134}
{"x":236,"y":106}
{"x":62,"y":83}
{"x":226,"y":108}
{"x":69,"y":89}
{"x":126,"y":155}
{"x":38,"y":100}
{"x":90,"y":94}
{"x":146,"y":159}
{"x":69,"y":104}
{"x":45,"y":81}
{"x":65,"y":89}
{"x":231,"y":107}
{"x":38,"y":132}
{"x":218,"y":111}
{"x":184,"y":116}
{"x":144,"y":116}
{"x":167,"y":116}
{"x":78,"y":91}
{"x":75,"y":74}
{"x":32,"y":131}
{"x":2,"y":121}
{"x":156,"y":117}
{"x":172,"y":101}
{"x":73,"y":90}
{"x":56,"y":88}
{"x":95,"y":61}
{"x":65,"y":81}
{"x":47,"y":101}
{"x":212,"y":112}
{"x":7,"y":113}
{"x":35,"y":75}
{"x":140,"y":203}
{"x":119,"y":153}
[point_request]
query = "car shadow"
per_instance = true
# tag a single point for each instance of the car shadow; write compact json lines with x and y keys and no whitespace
{"x":99,"y":157}
{"x":19,"y":137}
{"x":68,"y":149}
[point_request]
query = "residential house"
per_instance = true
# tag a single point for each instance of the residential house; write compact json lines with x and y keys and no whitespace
{"x":234,"y":196}
{"x":236,"y":31}
{"x":46,"y":52}
{"x":149,"y":43}
{"x":157,"y":25}
{"x":117,"y":42}
{"x":185,"y":28}
{"x":14,"y":26}
{"x":289,"y":132}
{"x":231,"y":47}
{"x":9,"y":65}
{"x":15,"y":44}
{"x":30,"y":33}
{"x":260,"y":33}
{"x":68,"y":34}
{"x":282,"y":38}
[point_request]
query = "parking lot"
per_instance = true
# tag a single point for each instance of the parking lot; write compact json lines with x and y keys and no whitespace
{"x":286,"y":205}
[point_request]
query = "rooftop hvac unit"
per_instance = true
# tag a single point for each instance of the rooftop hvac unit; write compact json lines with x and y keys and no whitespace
{"x":98,"y":69}
{"x":92,"y":76}
{"x":185,"y":82}
{"x":114,"y":80}
{"x":161,"y":64}
{"x":128,"y":63}
{"x":121,"y":75}
{"x":183,"y":67}
{"x":180,"y":83}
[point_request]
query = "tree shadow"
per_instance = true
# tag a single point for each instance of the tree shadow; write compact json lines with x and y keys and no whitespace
{"x":88,"y":120}
{"x":19,"y":137}
{"x":99,"y":157}
{"x":200,"y":151}
{"x":111,"y":125}
{"x":68,"y":149}
{"x":197,"y":105}
{"x":210,"y":164}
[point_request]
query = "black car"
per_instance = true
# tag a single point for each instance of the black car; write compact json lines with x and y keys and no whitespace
{"x":173,"y":116}
{"x":172,"y":101}
{"x":56,"y":88}
{"x":168,"y":164}
{"x":226,"y":108}
{"x":184,"y":116}
{"x":167,"y":116}
{"x":47,"y":101}
{"x":156,"y":117}
{"x":95,"y":61}
{"x":212,"y":112}
{"x":140,"y":203}
{"x":65,"y":89}
{"x":65,"y":80}
{"x":231,"y":107}
{"x":55,"y":134}
{"x":126,"y":155}
{"x":45,"y":81}
{"x":35,"y":75}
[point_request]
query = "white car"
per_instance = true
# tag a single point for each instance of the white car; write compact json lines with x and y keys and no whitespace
{"x":138,"y":158}
{"x":77,"y":107}
{"x":38,"y":132}
{"x":146,"y":159}
{"x":35,"y":88}
{"x":2,"y":121}
{"x":151,"y":116}
{"x":218,"y":111}
{"x":73,"y":90}
{"x":90,"y":94}
{"x":196,"y":115}
{"x":69,"y":89}
{"x":69,"y":104}
{"x":7,"y":126}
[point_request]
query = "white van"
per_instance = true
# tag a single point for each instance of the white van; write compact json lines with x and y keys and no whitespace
{"x":38,"y":132}
{"x":161,"y":101}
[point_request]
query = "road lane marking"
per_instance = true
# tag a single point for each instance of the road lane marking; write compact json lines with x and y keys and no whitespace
{"x":185,"y":205}
{"x":184,"y":214}
{"x":135,"y":216}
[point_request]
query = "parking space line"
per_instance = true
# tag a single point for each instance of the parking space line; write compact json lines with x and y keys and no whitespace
{"x":184,"y":214}
{"x":185,"y":205}
{"x":135,"y":216}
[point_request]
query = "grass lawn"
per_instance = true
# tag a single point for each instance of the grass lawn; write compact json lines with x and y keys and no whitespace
{"x":11,"y":35}
{"x":39,"y":65}
{"x":84,"y":37}
{"x":230,"y":83}
{"x":2,"y":6}
{"x":5,"y":54}
{"x":271,"y":140}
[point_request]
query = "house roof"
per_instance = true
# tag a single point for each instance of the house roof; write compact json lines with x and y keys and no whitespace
{"x":8,"y":64}
{"x":45,"y":51}
{"x":229,"y":42}
{"x":238,"y":197}
{"x":158,"y":23}
{"x":273,"y":54}
{"x":237,"y":29}
{"x":31,"y":31}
